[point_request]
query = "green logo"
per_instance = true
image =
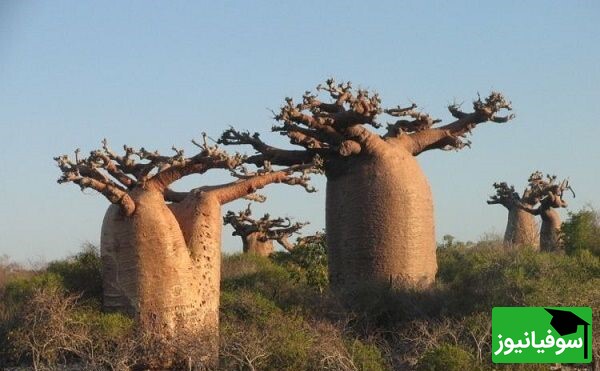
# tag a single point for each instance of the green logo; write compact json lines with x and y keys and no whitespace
{"x":541,"y":335}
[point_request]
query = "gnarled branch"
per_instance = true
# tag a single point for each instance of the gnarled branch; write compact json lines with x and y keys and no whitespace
{"x":505,"y":195}
{"x":86,"y":173}
{"x":547,"y":191}
{"x":452,"y":136}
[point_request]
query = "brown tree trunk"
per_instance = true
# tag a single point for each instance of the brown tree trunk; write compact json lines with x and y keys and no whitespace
{"x":550,"y":231}
{"x":119,"y":262}
{"x":521,"y":229}
{"x":199,"y":217}
{"x":253,"y":244}
{"x":380,"y":226}
{"x":162,"y":265}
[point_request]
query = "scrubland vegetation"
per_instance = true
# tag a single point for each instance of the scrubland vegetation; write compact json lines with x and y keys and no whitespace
{"x":277,"y":314}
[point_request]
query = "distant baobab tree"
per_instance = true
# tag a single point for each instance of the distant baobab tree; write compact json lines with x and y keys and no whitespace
{"x":379,"y":207}
{"x":521,"y":228}
{"x":258,"y":234}
{"x":549,"y":195}
{"x":161,"y":249}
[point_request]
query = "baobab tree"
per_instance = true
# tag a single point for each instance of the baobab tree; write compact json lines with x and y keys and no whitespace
{"x":521,"y":228}
{"x":160,"y":248}
{"x":379,"y":208}
{"x":549,"y":196}
{"x":258,"y":234}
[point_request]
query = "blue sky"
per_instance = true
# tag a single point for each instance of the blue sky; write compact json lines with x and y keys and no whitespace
{"x":156,"y":74}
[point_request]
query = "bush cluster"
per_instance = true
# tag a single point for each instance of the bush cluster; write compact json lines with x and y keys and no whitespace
{"x":276,"y":313}
{"x":581,"y":231}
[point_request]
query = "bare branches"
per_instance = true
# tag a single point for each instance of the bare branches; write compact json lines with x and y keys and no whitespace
{"x":114,"y":175}
{"x":335,"y":125}
{"x":302,"y":179}
{"x":210,"y":157}
{"x":256,"y":197}
{"x":547,"y":191}
{"x":251,"y":181}
{"x":505,"y":195}
{"x":86,"y":172}
{"x":266,"y":153}
{"x":315,"y":239}
{"x":453,"y":135}
{"x":323,"y":128}
{"x":421,"y":121}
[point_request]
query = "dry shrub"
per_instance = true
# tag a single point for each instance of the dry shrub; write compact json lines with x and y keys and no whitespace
{"x":10,"y":270}
{"x":53,"y":330}
{"x":49,"y":334}
{"x":295,"y":344}
{"x":240,"y":265}
{"x":271,"y":321}
{"x":412,"y":341}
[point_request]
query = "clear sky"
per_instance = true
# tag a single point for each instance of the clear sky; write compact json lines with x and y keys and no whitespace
{"x":154,"y":74}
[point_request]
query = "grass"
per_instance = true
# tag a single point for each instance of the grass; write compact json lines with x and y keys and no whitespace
{"x":277,"y":314}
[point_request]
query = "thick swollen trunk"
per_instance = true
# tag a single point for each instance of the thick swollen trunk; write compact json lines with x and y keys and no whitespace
{"x":521,"y":229}
{"x":550,"y":231}
{"x":199,"y":217}
{"x":379,"y":222}
{"x":119,"y":262}
{"x":166,"y":274}
{"x":254,"y":245}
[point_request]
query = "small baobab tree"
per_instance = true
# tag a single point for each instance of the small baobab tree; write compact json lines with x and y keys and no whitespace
{"x":379,"y":207}
{"x":161,"y":249}
{"x":548,"y":194}
{"x":521,"y":228}
{"x":258,"y":234}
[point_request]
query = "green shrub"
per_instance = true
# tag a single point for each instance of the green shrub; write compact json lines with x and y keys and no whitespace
{"x":367,"y":357}
{"x":255,"y":333}
{"x":81,"y":273}
{"x":104,"y":325}
{"x":306,"y":264}
{"x":240,"y":265}
{"x":447,"y":357}
{"x":263,"y":325}
{"x":271,"y":281}
{"x":478,"y":279}
{"x":19,"y":290}
{"x":247,"y":306}
{"x":581,"y":231}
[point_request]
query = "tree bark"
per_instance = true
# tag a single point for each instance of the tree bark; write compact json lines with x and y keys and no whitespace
{"x":119,"y":262}
{"x":253,"y":244}
{"x":550,"y":231}
{"x":380,"y":226}
{"x":162,"y":265}
{"x":521,"y":229}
